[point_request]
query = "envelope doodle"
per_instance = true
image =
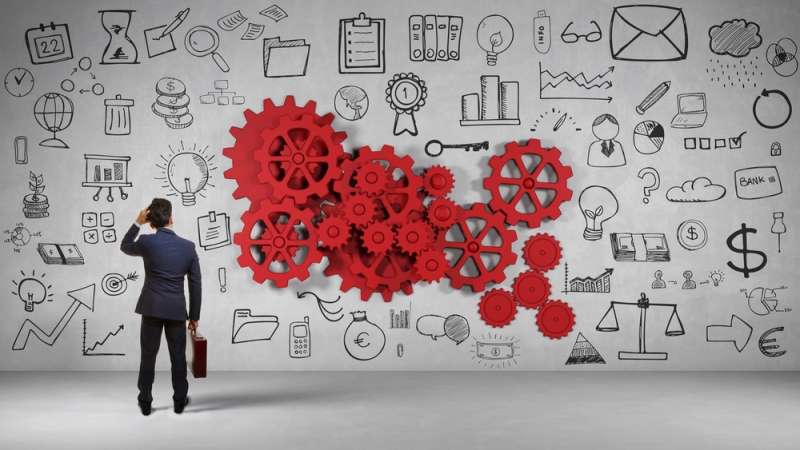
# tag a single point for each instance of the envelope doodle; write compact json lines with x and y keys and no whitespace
{"x":648,"y":33}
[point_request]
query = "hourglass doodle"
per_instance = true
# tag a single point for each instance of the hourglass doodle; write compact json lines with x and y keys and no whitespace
{"x":120,"y":48}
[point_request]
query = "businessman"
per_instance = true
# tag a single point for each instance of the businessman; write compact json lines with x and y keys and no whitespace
{"x":162,"y":303}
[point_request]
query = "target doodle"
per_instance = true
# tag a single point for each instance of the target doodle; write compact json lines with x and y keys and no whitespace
{"x":115,"y":284}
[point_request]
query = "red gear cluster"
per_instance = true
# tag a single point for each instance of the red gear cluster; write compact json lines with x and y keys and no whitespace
{"x":366,"y":211}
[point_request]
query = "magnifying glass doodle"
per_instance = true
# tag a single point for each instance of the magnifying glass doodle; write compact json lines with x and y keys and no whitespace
{"x":203,"y":41}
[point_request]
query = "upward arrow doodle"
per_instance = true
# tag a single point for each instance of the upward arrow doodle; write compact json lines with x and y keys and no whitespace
{"x":83,"y":296}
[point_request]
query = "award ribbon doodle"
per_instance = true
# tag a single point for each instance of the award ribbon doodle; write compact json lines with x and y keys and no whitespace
{"x":406,"y":94}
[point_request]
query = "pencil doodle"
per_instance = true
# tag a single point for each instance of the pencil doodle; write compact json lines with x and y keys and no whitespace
{"x":326,"y":313}
{"x":692,"y":234}
{"x":692,"y":111}
{"x":497,"y":103}
{"x":172,"y":102}
{"x":202,"y":41}
{"x":769,"y":347}
{"x":35,"y":205}
{"x":186,"y":171}
{"x":221,"y":96}
{"x":455,"y":327}
{"x":755,"y":183}
{"x":435,"y":38}
{"x":275,"y":13}
{"x":566,"y":86}
{"x":107,"y":172}
{"x":80,"y":297}
{"x":777,"y":107}
{"x":648,"y":33}
{"x":541,"y":32}
{"x":571,"y":37}
{"x":598,"y":204}
{"x":745,"y":269}
{"x":406,"y":94}
{"x":90,"y":351}
{"x":231,"y":21}
{"x":19,"y":82}
{"x":300,"y":339}
{"x":53,"y":112}
{"x":782,"y":56}
{"x":606,"y":151}
{"x":114,"y":284}
{"x":734,"y":38}
{"x":778,"y":227}
{"x":698,"y":190}
{"x":120,"y":48}
{"x":763,"y":301}
{"x":362,"y":45}
{"x":363,"y":340}
{"x":583,"y":352}
{"x":495,"y":351}
{"x":248,"y":327}
{"x":435,"y":148}
{"x":738,"y":332}
{"x":49,"y":43}
{"x":351,"y":103}
{"x":495,"y":35}
{"x":32,"y":291}
{"x":285,"y":58}
{"x":654,"y":96}
{"x":159,"y":39}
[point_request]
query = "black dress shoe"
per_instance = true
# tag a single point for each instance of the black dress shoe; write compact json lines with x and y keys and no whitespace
{"x":179,"y":406}
{"x":145,"y":407}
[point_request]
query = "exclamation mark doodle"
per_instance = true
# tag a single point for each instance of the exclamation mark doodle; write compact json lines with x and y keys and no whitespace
{"x":222,"y":279}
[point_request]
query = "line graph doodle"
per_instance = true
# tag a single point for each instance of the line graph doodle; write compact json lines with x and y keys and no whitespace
{"x":83,"y":296}
{"x":91,"y":350}
{"x":565,"y":86}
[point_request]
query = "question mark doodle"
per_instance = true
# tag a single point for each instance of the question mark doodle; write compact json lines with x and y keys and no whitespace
{"x":652,"y":187}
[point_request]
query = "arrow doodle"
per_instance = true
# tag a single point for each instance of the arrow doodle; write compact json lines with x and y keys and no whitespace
{"x":325,"y":313}
{"x":83,"y":296}
{"x":738,"y":332}
{"x":89,"y":351}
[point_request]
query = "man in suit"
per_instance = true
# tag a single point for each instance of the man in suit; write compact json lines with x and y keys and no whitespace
{"x":162,"y":303}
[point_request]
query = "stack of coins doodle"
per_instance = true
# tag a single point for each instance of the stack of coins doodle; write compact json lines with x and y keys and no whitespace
{"x":172,"y":103}
{"x":35,"y":206}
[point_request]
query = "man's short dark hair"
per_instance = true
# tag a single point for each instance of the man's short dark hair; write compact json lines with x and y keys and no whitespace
{"x":160,"y":212}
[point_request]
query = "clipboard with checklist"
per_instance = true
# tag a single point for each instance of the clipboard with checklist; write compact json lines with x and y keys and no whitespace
{"x":362,"y":45}
{"x":214,"y":230}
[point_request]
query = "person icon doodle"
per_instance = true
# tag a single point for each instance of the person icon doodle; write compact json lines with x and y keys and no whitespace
{"x":689,"y":283}
{"x":606,"y":152}
{"x":658,"y":283}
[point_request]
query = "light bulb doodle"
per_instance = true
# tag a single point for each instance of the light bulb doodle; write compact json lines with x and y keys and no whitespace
{"x":31,"y":290}
{"x":495,"y":35}
{"x":717,"y":277}
{"x":598,"y":204}
{"x":652,"y":187}
{"x":186,"y":172}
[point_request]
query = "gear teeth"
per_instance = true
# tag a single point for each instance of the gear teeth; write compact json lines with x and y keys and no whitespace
{"x":497,"y":308}
{"x":531,"y":289}
{"x":555,"y":319}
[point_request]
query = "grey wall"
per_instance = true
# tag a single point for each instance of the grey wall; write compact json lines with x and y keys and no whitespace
{"x":730,"y":113}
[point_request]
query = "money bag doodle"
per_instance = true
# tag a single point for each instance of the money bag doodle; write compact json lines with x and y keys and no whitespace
{"x":363,"y":340}
{"x":746,"y":270}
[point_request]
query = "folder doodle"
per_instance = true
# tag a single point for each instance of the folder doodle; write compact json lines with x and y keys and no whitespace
{"x":248,"y":327}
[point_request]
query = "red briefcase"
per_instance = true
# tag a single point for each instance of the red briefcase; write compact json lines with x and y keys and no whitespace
{"x":196,"y":356}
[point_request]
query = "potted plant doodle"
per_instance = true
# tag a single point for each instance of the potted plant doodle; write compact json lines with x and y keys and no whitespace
{"x":35,"y":205}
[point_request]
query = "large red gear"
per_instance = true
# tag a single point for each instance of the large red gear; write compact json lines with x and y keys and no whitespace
{"x":531,"y":289}
{"x":401,"y":195}
{"x":299,"y":158}
{"x":542,"y":252}
{"x":394,"y":272}
{"x":415,"y":236}
{"x":555,"y":319}
{"x":333,"y":231}
{"x":278,"y":242}
{"x":497,"y":308}
{"x":431,"y":265}
{"x":438,"y":181}
{"x":378,"y":238}
{"x":473,"y":246}
{"x":442,"y":213}
{"x":248,"y":139}
{"x":529,"y":183}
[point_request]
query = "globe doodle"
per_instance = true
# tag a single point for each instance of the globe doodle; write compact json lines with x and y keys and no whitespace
{"x":53,"y":112}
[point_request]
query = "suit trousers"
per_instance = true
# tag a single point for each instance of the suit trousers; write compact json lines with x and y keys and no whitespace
{"x":150,"y":338}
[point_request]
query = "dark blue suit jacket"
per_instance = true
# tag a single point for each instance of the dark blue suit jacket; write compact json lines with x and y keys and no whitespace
{"x":167,"y":259}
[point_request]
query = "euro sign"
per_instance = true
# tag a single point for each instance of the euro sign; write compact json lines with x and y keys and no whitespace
{"x":746,"y":270}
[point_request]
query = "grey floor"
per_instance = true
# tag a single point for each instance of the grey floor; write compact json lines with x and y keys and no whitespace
{"x":406,"y":410}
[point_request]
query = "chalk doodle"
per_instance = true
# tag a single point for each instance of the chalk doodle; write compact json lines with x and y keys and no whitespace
{"x":583,"y":352}
{"x":495,"y":351}
{"x":92,"y":351}
{"x":363,"y":340}
{"x":495,"y":35}
{"x":32,"y":291}
{"x":80,"y":297}
{"x":609,"y":323}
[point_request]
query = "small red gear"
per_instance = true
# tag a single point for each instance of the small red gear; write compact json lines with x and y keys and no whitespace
{"x":442,"y":213}
{"x":532,"y":289}
{"x":394,"y":271}
{"x":378,"y":238}
{"x":529,"y":183}
{"x":431,"y":265}
{"x":497,"y":308}
{"x":555,"y":319}
{"x":472,"y":246}
{"x":371,"y":178}
{"x":542,"y":252}
{"x":248,"y":140}
{"x":438,"y":181}
{"x":278,"y":242}
{"x":414,"y":237}
{"x":333,"y":231}
{"x":358,"y":210}
{"x":299,"y":158}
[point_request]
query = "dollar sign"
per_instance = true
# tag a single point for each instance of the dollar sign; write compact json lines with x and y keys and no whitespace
{"x":171,"y":86}
{"x":495,"y":351}
{"x":173,"y":101}
{"x":744,"y":251}
{"x":692,"y":233}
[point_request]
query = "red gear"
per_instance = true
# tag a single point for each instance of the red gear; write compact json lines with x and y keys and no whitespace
{"x":529,"y":183}
{"x":414,"y":237}
{"x":401,"y":195}
{"x":431,"y":265}
{"x":358,"y":210}
{"x":248,"y":140}
{"x":333,"y":231}
{"x":473,"y":246}
{"x":393,"y":271}
{"x":555,"y":319}
{"x":438,"y":181}
{"x":497,"y":308}
{"x":278,"y":242}
{"x":299,"y":158}
{"x":442,"y":213}
{"x":532,"y":289}
{"x":340,"y":263}
{"x":542,"y":252}
{"x":371,"y":178}
{"x":378,"y":238}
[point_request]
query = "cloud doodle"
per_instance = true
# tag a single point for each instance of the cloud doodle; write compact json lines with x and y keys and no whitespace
{"x":734,"y":37}
{"x":697,"y":190}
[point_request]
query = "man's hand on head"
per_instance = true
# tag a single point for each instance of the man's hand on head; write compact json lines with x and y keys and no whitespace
{"x":142,"y":219}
